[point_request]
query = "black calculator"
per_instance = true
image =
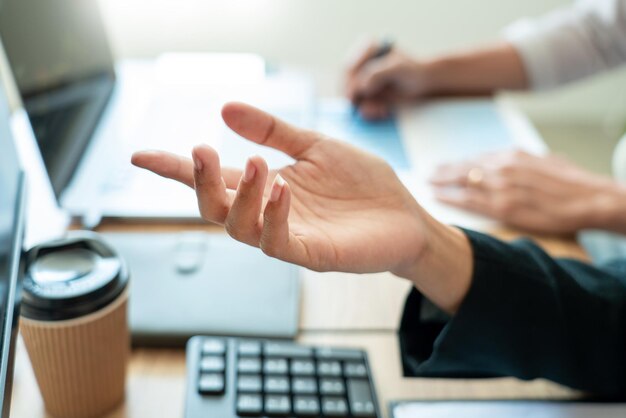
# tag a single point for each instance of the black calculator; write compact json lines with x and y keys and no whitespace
{"x":242,"y":377}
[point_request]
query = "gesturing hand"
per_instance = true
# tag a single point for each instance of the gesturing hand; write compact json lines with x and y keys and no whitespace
{"x":543,"y":194}
{"x":335,"y":208}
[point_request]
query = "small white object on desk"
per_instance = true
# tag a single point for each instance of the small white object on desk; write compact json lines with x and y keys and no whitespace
{"x":508,"y":409}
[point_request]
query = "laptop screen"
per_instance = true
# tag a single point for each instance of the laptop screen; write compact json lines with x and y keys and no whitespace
{"x":11,"y":235}
{"x":50,"y":43}
{"x":60,"y":58}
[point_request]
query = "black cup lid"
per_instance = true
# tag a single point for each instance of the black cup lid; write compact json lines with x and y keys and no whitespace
{"x":71,"y":277}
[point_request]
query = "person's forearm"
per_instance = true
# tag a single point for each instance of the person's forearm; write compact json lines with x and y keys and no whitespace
{"x":477,"y":72}
{"x":443,"y":269}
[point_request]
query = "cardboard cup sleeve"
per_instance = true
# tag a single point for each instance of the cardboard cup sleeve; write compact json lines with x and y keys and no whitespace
{"x":80,"y":364}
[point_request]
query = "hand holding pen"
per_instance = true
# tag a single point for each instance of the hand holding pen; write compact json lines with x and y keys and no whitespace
{"x":380,"y":51}
{"x":379,"y":76}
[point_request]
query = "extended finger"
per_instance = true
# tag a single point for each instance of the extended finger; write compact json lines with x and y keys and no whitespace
{"x":213,"y":199}
{"x":178,"y":168}
{"x":489,"y":166}
{"x":451,"y":174}
{"x":264,"y":129}
{"x":507,"y":205}
{"x":276,"y":240}
{"x":166,"y":164}
{"x":478,"y":175}
{"x":243,"y":220}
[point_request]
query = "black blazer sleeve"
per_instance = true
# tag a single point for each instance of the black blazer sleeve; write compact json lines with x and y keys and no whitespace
{"x":526,"y":315}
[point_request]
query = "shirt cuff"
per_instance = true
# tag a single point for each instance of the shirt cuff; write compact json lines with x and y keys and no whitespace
{"x":536,"y":54}
{"x":477,"y":340}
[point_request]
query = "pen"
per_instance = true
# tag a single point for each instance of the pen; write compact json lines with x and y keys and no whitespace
{"x":383,"y":49}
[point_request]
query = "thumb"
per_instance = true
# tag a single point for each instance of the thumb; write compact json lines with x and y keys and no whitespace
{"x":264,"y":129}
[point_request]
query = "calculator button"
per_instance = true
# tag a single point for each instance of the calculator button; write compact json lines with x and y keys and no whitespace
{"x":276,"y":384}
{"x":251,"y":365}
{"x":302,"y":367}
{"x":249,"y":383}
{"x":275,"y":366}
{"x":332,"y":387}
{"x":328,"y":353}
{"x":334,"y":406}
{"x":249,"y":348}
{"x":273,"y":349}
{"x":211,"y":383}
{"x":360,"y":398}
{"x":304,"y":385}
{"x":213,"y":346}
{"x":354,"y":369}
{"x":329,"y":368}
{"x":212,"y":364}
{"x":249,"y":404}
{"x":306,"y":405}
{"x":277,"y":405}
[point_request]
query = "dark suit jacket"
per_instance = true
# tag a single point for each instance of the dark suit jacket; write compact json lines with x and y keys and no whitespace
{"x":526,"y":315}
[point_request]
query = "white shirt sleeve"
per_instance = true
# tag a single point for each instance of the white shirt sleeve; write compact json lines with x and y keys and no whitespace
{"x":619,"y":161}
{"x":572,"y":43}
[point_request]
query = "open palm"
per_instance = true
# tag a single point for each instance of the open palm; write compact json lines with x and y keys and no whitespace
{"x":335,"y":208}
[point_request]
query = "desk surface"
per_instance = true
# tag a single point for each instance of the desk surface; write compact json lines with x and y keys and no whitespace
{"x":156,"y":379}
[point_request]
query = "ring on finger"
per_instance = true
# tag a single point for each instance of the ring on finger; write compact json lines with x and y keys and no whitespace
{"x":475,"y":176}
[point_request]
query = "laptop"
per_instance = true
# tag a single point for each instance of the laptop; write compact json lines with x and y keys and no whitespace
{"x":89,"y":114}
{"x":12,"y":219}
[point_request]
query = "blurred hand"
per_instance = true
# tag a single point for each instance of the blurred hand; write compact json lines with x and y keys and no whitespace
{"x":335,"y":208}
{"x":542,"y":194}
{"x":379,"y":83}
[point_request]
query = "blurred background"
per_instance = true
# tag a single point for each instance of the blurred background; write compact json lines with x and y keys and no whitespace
{"x":316,"y":35}
{"x":583,"y":121}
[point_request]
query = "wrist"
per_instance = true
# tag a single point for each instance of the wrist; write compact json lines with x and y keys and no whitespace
{"x":481,"y":71}
{"x":442,"y":269}
{"x":435,"y":74}
{"x":608,"y":211}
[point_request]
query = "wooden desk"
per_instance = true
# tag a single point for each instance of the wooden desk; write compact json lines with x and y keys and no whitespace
{"x":337,"y":309}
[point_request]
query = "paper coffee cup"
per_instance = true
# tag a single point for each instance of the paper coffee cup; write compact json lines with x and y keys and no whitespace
{"x":74,"y":325}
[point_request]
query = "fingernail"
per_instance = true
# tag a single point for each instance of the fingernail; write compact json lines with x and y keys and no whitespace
{"x":277,"y":188}
{"x":249,"y":172}
{"x":197,"y":163}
